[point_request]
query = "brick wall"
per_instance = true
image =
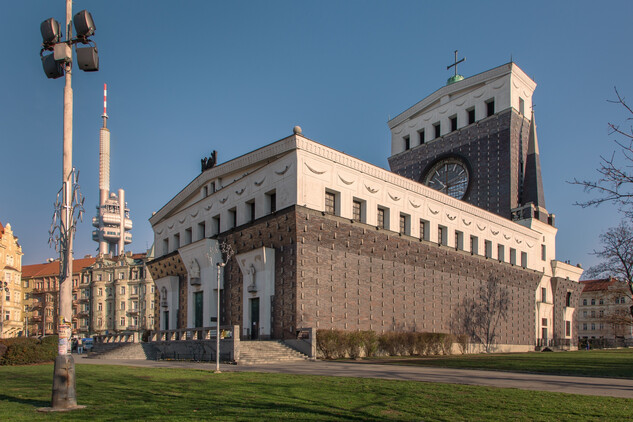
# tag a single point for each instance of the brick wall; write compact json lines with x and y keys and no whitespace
{"x":494,"y":147}
{"x":352,"y":276}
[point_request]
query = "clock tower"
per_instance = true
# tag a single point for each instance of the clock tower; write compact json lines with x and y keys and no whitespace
{"x":475,"y":140}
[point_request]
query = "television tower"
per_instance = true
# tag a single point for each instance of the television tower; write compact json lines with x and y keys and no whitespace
{"x":113,"y":217}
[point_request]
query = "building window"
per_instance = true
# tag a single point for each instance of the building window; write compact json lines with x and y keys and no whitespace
{"x":216,"y":224}
{"x":474,"y":245}
{"x":165,"y":248}
{"x":421,"y":136}
{"x":358,"y":210}
{"x":330,"y":203}
{"x":122,"y":290}
{"x":425,"y":231}
{"x":382,"y":218}
{"x":501,"y":253}
{"x":601,"y":302}
{"x":459,"y":240}
{"x":188,"y":236}
{"x":251,"y":211}
{"x":488,"y":245}
{"x":271,"y":199}
{"x":437,"y":129}
{"x":543,"y":294}
{"x":100,"y":306}
{"x":584,"y":314}
{"x":584,"y":302}
{"x":176,"y":240}
{"x":201,"y":230}
{"x":543,"y":253}
{"x":544,"y":322}
{"x":567,"y":328}
{"x":513,"y":256}
{"x":601,"y":313}
{"x":122,"y":305}
{"x":442,"y":235}
{"x":407,"y":142}
{"x":593,"y":301}
{"x":453,"y":120}
{"x":405,"y":224}
{"x":490,"y":107}
{"x":593,"y":314}
{"x":233,"y":217}
{"x":471,"y":115}
{"x":568,"y":299}
{"x":584,"y":326}
{"x":593,"y":326}
{"x":521,"y":106}
{"x":100,"y":291}
{"x":123,"y":321}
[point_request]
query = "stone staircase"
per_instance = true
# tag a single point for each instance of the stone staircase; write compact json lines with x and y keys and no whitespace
{"x":263,"y":352}
{"x":123,"y":351}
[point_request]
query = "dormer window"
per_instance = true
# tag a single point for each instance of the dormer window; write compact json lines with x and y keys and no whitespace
{"x":453,"y":121}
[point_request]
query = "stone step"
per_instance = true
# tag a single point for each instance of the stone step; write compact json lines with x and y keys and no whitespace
{"x":263,"y":352}
{"x":125,"y":351}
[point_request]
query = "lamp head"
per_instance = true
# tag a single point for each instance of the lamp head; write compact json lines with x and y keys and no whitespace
{"x":51,"y":32}
{"x":84,"y":25}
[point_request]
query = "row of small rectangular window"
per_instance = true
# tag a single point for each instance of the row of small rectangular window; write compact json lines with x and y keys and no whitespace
{"x":593,"y":326}
{"x":593,"y":314}
{"x":271,"y":207}
{"x":437,"y":127}
{"x":382,"y":221}
{"x":618,"y":300}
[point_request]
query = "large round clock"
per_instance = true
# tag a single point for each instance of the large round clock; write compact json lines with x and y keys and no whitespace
{"x":450,"y":176}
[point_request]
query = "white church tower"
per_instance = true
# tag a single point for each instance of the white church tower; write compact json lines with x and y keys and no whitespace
{"x":113,"y":217}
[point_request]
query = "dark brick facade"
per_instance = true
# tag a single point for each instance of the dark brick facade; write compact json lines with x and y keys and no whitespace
{"x":496,"y":150}
{"x":334,"y":273}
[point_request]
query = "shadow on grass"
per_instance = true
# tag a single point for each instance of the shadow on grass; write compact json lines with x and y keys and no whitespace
{"x":30,"y":402}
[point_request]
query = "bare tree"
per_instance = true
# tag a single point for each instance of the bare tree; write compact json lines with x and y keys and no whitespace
{"x":617,"y":256}
{"x":615,"y":183}
{"x":479,"y":317}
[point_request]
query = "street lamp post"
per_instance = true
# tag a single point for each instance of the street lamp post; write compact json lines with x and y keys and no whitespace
{"x":3,"y":290}
{"x":226,"y":251}
{"x":58,"y":64}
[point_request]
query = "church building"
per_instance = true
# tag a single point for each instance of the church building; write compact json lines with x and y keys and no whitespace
{"x":324,"y":240}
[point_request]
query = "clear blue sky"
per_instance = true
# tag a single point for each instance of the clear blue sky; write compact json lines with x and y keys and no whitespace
{"x":185,"y":78}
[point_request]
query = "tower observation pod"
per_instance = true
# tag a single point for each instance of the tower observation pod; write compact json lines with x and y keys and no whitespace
{"x":113,"y":221}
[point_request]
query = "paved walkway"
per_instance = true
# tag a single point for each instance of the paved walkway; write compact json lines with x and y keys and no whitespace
{"x":564,"y":384}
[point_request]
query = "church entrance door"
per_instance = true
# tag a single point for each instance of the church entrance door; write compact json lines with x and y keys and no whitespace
{"x":254,"y":318}
{"x":197,"y":300}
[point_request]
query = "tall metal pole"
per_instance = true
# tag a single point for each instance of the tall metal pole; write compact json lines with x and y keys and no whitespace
{"x":64,"y":395}
{"x":66,"y":284}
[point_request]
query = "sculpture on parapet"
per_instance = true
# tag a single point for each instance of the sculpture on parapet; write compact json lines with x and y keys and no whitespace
{"x":209,"y":162}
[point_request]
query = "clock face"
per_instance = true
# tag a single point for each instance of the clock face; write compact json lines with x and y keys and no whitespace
{"x":449,"y":176}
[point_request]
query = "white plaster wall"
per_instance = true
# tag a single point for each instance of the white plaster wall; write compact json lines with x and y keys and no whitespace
{"x":505,"y":84}
{"x":171,"y":284}
{"x":206,"y":253}
{"x":350,"y":178}
{"x":262,"y":260}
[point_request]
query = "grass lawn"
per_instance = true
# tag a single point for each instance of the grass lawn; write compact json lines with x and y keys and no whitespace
{"x":128,"y":393}
{"x":616,"y":363}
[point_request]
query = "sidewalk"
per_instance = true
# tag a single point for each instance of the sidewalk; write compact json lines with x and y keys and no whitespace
{"x":611,"y":387}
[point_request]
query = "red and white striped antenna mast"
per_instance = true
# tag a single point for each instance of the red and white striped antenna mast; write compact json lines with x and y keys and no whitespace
{"x":105,"y":104}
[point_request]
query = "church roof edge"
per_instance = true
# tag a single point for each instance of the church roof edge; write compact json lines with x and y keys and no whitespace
{"x":504,"y":69}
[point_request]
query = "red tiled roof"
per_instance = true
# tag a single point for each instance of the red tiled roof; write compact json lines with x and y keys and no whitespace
{"x":52,"y":268}
{"x":597,"y":285}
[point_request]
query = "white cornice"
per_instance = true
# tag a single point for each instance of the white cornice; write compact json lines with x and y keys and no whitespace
{"x":463,"y":85}
{"x":408,"y":184}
